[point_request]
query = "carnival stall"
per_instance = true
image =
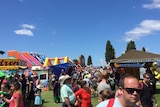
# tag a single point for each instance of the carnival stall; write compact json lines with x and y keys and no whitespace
{"x":12,"y":66}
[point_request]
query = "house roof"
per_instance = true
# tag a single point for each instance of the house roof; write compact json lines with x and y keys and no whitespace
{"x":135,"y":56}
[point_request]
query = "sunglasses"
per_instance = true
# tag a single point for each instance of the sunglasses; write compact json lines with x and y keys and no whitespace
{"x":132,"y":90}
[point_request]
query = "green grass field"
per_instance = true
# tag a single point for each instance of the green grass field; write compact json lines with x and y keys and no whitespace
{"x":158,"y":95}
{"x":48,"y":99}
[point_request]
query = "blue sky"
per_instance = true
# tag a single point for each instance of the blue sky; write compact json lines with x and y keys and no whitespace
{"x":61,"y":28}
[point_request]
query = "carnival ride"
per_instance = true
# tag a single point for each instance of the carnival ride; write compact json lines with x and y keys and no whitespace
{"x":29,"y":58}
{"x":48,"y":61}
{"x":36,"y":59}
{"x":16,"y":54}
{"x":38,"y":64}
{"x":38,"y":56}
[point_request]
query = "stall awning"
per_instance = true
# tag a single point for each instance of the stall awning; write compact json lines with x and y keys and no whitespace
{"x":135,"y":56}
{"x":130,"y":65}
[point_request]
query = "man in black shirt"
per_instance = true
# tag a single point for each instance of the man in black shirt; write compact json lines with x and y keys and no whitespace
{"x":147,"y":91}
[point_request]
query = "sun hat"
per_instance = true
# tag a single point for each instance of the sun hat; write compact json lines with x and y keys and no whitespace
{"x":33,"y":76}
{"x":67,"y":77}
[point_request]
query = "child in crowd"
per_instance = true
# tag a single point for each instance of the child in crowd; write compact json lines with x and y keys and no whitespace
{"x":38,"y":98}
{"x":105,"y":94}
{"x":5,"y":91}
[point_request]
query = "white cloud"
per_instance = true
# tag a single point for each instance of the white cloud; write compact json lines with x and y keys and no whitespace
{"x":155,"y":4}
{"x":27,"y":26}
{"x":24,"y":32}
{"x":145,"y":28}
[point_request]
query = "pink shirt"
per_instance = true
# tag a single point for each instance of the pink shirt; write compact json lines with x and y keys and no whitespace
{"x":12,"y":103}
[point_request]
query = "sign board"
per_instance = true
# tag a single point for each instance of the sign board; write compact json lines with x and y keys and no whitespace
{"x":12,"y":62}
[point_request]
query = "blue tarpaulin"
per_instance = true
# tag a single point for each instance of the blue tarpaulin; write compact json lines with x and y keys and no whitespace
{"x":57,"y":69}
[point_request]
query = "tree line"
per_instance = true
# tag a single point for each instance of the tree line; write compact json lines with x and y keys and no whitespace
{"x":110,"y":51}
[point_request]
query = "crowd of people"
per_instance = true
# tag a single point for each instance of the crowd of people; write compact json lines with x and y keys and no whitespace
{"x":76,"y":88}
{"x":17,"y":89}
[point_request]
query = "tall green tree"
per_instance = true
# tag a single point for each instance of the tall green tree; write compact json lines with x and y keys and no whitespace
{"x":82,"y":60}
{"x":143,"y":49}
{"x":75,"y":61}
{"x":110,"y":52}
{"x":130,"y":45}
{"x":89,"y":60}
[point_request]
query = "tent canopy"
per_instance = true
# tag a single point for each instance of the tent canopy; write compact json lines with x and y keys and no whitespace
{"x":131,"y":65}
{"x":57,"y":69}
{"x":135,"y":56}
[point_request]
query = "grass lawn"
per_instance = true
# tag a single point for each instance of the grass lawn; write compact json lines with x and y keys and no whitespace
{"x":158,"y":95}
{"x":48,"y":99}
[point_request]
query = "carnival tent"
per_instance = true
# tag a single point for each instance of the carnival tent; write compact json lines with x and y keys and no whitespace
{"x":57,"y":69}
{"x":65,"y":65}
{"x":135,"y":56}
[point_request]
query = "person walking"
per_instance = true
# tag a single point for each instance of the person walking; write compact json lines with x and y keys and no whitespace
{"x":24,"y":84}
{"x":94,"y":86}
{"x":56,"y":91}
{"x":30,"y":91}
{"x":147,"y":95}
{"x":67,"y":94}
{"x":84,"y":95}
{"x":103,"y":85}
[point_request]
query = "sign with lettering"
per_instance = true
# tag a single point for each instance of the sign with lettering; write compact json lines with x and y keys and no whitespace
{"x":9,"y":62}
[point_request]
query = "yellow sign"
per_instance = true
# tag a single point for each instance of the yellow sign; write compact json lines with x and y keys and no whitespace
{"x":9,"y":62}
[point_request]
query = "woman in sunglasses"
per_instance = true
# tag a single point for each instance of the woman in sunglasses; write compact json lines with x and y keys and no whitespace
{"x":129,"y":90}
